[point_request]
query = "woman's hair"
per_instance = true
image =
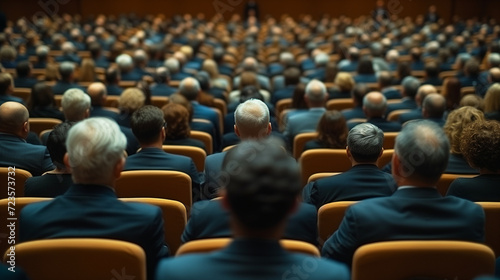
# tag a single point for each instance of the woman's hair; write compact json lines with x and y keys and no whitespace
{"x":365,"y":66}
{"x":456,"y":122}
{"x":451,"y":91}
{"x":298,"y":101}
{"x":332,"y":130}
{"x":479,"y":145}
{"x":344,"y":81}
{"x":178,"y":98}
{"x":51,"y":72}
{"x":492,"y":99}
{"x":41,"y":96}
{"x":248,"y":79}
{"x":210,"y":66}
{"x":131,"y":99}
{"x":177,"y":119}
{"x":87,"y":71}
{"x":404,"y":70}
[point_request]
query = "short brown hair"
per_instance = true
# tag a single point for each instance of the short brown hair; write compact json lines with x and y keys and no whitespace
{"x":177,"y":118}
{"x":332,"y":130}
{"x":5,"y":82}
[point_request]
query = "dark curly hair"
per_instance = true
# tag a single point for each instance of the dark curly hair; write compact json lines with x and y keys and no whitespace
{"x":479,"y":144}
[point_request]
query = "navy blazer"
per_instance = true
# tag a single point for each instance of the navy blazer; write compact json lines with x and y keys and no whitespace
{"x":213,"y":179}
{"x":414,"y":114}
{"x":47,"y":112}
{"x":391,"y":93}
{"x":210,"y":220}
{"x":354,"y":113}
{"x":25,"y":82}
{"x":62,"y":86}
{"x":99,"y":111}
{"x":360,"y":182}
{"x":406,"y":103}
{"x":162,"y":90}
{"x":283,"y":93}
{"x":302,"y":122}
{"x":7,"y":97}
{"x":157,"y":159}
{"x":94,"y":211}
{"x":383,"y":124}
{"x":250,"y":259}
{"x":410,"y":213}
{"x":207,"y":113}
{"x":485,"y":187}
{"x":114,"y":90}
{"x":15,"y":152}
{"x":48,"y":185}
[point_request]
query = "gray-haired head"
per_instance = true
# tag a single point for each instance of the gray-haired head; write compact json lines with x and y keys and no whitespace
{"x":252,"y":119}
{"x":172,"y":65}
{"x":162,"y":75}
{"x":374,"y":104}
{"x":421,"y":153}
{"x":124,"y":62}
{"x":66,"y":70}
{"x":42,"y":51}
{"x":75,"y":105}
{"x":95,"y":147}
{"x":321,"y":59}
{"x":410,"y":86}
{"x":316,"y":93}
{"x":494,"y":60}
{"x":250,"y":64}
{"x":286,"y":58}
{"x":189,"y":88}
{"x":365,"y":142}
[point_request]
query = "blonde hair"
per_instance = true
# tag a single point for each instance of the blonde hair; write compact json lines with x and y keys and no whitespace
{"x":344,"y":81}
{"x":455,"y":123}
{"x":492,"y":99}
{"x":210,"y":67}
{"x":131,"y":99}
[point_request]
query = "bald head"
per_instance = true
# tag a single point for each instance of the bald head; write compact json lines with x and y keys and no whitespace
{"x":14,"y":119}
{"x":250,"y":64}
{"x":422,"y":92}
{"x":494,"y":75}
{"x":97,"y":93}
{"x":316,"y":94}
{"x":433,"y":106}
{"x":189,"y":88}
{"x":374,"y":104}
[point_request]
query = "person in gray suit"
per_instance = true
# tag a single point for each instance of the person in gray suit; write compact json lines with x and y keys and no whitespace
{"x":262,"y":190}
{"x":315,"y":97}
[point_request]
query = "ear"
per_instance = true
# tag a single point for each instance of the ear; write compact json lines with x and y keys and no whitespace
{"x":236,"y":131}
{"x":395,"y":166}
{"x":87,"y":114}
{"x":224,"y":200}
{"x":119,"y":167}
{"x":163,"y":134}
{"x":348,"y":152}
{"x":381,"y":152}
{"x":66,"y":160}
{"x":269,"y":129}
{"x":26,"y":127}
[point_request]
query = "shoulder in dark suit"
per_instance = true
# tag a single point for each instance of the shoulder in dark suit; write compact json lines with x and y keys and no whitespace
{"x":360,"y":182}
{"x":458,"y":165}
{"x":7,"y":98}
{"x":302,"y":122}
{"x":283,"y":93}
{"x":334,"y":93}
{"x":95,"y":211}
{"x":25,"y":82}
{"x":15,"y":152}
{"x":415,"y":114}
{"x":156,"y":159}
{"x":213,"y":178}
{"x":114,"y":90}
{"x":98,"y":111}
{"x":412,"y":213}
{"x":391,"y":93}
{"x":207,"y":113}
{"x":210,"y":220}
{"x":207,"y":127}
{"x":354,"y":113}
{"x":250,"y":259}
{"x":406,"y":103}
{"x":48,"y":185}
{"x":383,"y":124}
{"x":132,"y":143}
{"x":47,"y":112}
{"x":481,"y":188}
{"x":162,"y":90}
{"x":61,"y":86}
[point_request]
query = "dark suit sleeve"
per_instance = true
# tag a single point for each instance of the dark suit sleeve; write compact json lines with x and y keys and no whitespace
{"x":310,"y":194}
{"x":47,"y":164}
{"x":196,"y":180}
{"x":455,"y":189}
{"x":344,"y":242}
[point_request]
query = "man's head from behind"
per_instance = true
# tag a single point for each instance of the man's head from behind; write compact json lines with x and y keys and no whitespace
{"x":420,"y":154}
{"x":95,"y":151}
{"x":14,"y":119}
{"x":316,"y":94}
{"x":189,"y":88}
{"x":75,"y":105}
{"x":252,"y":120}
{"x":6,"y":83}
{"x":262,"y":187}
{"x":56,"y":143}
{"x":98,"y":93}
{"x":364,"y":143}
{"x":67,"y":70}
{"x":374,"y":105}
{"x":147,"y":124}
{"x":434,"y":106}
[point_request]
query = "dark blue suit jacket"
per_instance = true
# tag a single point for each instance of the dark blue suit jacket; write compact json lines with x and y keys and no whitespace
{"x":48,"y":185}
{"x":99,"y":111}
{"x":47,"y":112}
{"x":162,"y":90}
{"x":15,"y":152}
{"x":283,"y":93}
{"x":360,"y":182}
{"x":156,"y":159}
{"x":406,"y":103}
{"x":250,"y":259}
{"x":207,"y":113}
{"x":7,"y":98}
{"x":114,"y":90}
{"x":94,"y":211}
{"x":210,"y":220}
{"x":413,"y":213}
{"x":414,"y":114}
{"x":391,"y":93}
{"x":481,"y":188}
{"x":61,"y":86}
{"x":354,"y":113}
{"x":25,"y":82}
{"x":213,"y":179}
{"x":383,"y":124}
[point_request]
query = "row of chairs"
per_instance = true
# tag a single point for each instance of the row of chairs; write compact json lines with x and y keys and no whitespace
{"x":61,"y":259}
